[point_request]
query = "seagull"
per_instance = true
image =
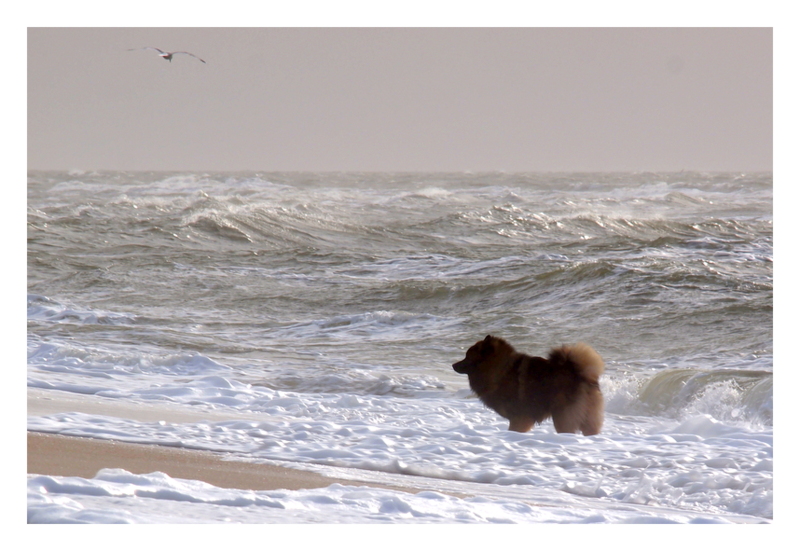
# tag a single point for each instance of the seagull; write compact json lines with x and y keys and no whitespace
{"x":165,"y":55}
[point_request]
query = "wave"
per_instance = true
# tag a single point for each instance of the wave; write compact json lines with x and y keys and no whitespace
{"x":380,"y":325}
{"x":44,"y":309}
{"x":354,"y":383}
{"x":256,"y":209}
{"x":103,"y":363}
{"x":731,"y":395}
{"x":254,"y":269}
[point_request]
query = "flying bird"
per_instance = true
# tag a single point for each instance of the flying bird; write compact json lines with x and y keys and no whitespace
{"x":165,"y":55}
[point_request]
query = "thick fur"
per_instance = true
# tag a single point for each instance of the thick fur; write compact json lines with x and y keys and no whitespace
{"x":527,"y":390}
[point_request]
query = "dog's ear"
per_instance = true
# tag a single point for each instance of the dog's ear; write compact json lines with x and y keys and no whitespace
{"x":488,"y":344}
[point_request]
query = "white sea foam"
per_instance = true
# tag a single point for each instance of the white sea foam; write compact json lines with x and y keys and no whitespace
{"x":157,"y":498}
{"x":697,"y":464}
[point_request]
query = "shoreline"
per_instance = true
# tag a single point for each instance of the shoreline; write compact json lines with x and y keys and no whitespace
{"x":58,"y":455}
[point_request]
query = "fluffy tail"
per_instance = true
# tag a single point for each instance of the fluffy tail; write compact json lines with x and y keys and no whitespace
{"x":585,"y":411}
{"x":588,"y":362}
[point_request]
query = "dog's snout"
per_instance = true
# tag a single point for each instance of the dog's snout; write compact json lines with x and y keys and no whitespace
{"x":460,"y":367}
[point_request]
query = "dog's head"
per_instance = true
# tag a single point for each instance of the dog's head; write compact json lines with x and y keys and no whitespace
{"x":476,"y":354}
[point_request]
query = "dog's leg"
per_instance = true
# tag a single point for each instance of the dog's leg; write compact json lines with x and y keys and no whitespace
{"x":566,"y":421}
{"x":523,"y":424}
{"x":570,"y":418}
{"x":593,"y":421}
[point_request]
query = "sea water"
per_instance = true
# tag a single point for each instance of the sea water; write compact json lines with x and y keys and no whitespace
{"x":311,"y":320}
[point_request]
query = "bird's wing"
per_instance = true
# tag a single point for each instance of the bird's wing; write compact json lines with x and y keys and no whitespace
{"x":148,"y":48}
{"x":188,"y":53}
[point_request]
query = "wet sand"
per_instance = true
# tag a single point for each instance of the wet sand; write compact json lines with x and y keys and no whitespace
{"x":59,"y":455}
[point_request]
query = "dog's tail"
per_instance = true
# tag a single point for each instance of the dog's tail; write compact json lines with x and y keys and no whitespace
{"x":586,"y":361}
{"x":585,"y":412}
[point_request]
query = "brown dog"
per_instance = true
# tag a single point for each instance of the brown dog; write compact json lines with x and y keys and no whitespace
{"x":527,"y":390}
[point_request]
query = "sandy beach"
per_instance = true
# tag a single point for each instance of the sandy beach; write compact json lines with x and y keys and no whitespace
{"x":74,"y":456}
{"x":59,"y":455}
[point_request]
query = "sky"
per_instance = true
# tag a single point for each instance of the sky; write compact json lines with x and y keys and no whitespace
{"x":400,"y":99}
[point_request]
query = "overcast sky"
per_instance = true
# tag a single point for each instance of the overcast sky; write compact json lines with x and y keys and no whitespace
{"x":400,"y":99}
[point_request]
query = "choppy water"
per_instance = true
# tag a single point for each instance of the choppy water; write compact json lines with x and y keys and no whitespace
{"x":336,"y":303}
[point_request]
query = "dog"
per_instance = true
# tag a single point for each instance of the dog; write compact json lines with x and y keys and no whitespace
{"x":527,"y":390}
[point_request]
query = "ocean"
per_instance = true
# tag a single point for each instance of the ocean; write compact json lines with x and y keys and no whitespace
{"x":314,"y":318}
